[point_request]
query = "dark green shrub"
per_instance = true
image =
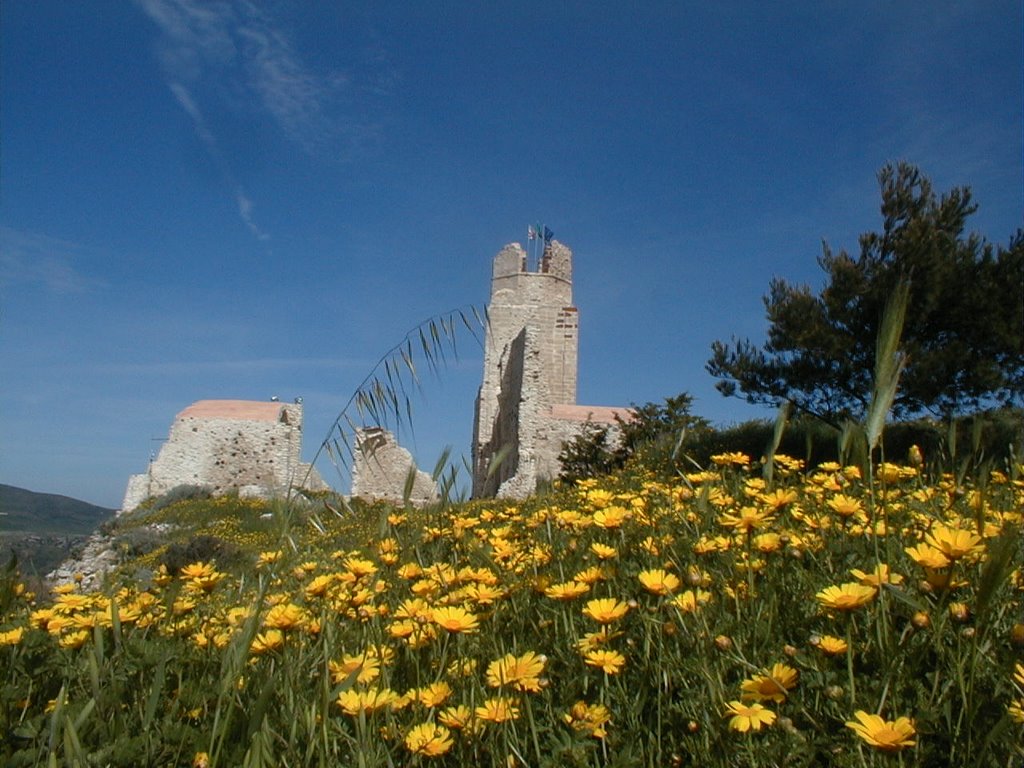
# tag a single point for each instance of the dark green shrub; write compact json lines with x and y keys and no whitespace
{"x":657,"y":436}
{"x":202,"y":548}
{"x":178,"y":493}
{"x":589,"y":454}
{"x":137,"y":542}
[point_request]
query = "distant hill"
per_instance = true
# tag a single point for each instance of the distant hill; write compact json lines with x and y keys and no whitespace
{"x":28,"y":512}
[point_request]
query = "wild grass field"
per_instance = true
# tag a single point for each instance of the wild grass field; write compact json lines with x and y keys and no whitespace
{"x":824,"y":618}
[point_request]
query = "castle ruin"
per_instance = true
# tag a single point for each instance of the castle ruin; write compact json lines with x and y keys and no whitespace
{"x":244,"y":446}
{"x":526,"y":409}
{"x":383,"y":470}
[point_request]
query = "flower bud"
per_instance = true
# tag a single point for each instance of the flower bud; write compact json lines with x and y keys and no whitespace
{"x":914,"y":456}
{"x":723,"y":643}
{"x":959,"y":611}
{"x":1017,"y":634}
{"x":834,"y":692}
{"x":921,"y":620}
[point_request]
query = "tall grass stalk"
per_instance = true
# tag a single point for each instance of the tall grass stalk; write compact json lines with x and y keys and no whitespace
{"x":384,"y":396}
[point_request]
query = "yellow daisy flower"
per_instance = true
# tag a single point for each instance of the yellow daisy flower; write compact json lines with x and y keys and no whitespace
{"x":955,"y":543}
{"x":285,"y":616}
{"x":12,"y":637}
{"x":567,"y":590}
{"x":589,"y":718}
{"x":746,"y":519}
{"x":732,"y":459}
{"x":611,"y":517}
{"x":499,"y":709}
{"x":455,"y":619}
{"x":365,"y":667}
{"x":590,"y":575}
{"x":846,"y":597}
{"x":690,"y":600}
{"x":887,"y":736}
{"x":658,"y":581}
{"x":434,"y":695}
{"x":267,"y":641}
{"x":748,"y":717}
{"x":846,"y":506}
{"x":609,"y":662}
{"x":928,"y":556}
{"x":773,"y":686}
{"x":831,"y":645}
{"x":881,"y":575}
{"x":1016,"y":711}
{"x":778,"y":498}
{"x":520,"y":672}
{"x":352,"y":702}
{"x":605,"y":610}
{"x":429,"y":740}
{"x":457,"y":717}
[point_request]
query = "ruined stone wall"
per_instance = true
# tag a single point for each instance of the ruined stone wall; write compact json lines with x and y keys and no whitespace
{"x":228,"y":445}
{"x":382,"y":470}
{"x":503,"y":446}
{"x":529,"y":433}
{"x":540,"y":428}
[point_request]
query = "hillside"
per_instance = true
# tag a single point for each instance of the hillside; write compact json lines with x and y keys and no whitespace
{"x":704,"y":619}
{"x":23,"y":511}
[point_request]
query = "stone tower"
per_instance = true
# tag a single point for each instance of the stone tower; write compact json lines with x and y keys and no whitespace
{"x":530,"y":357}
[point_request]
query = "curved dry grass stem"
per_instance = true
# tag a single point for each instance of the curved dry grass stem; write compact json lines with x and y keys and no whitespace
{"x":383,"y":398}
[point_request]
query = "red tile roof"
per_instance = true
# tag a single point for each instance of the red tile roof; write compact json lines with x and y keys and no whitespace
{"x":244,"y":410}
{"x":599,"y":414}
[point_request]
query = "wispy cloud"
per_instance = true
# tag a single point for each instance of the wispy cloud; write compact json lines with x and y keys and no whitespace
{"x":294,"y":96}
{"x":224,"y":49}
{"x":235,"y":54}
{"x":184,"y":98}
{"x":245,"y":211}
{"x":239,"y":45}
{"x":28,"y":258}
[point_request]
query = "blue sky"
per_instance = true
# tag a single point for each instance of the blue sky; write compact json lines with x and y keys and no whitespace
{"x":243,"y":199}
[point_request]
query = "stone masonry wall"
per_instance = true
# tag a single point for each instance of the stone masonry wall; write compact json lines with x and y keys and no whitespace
{"x":525,"y":410}
{"x":539,"y":305}
{"x":228,"y":445}
{"x":382,"y":469}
